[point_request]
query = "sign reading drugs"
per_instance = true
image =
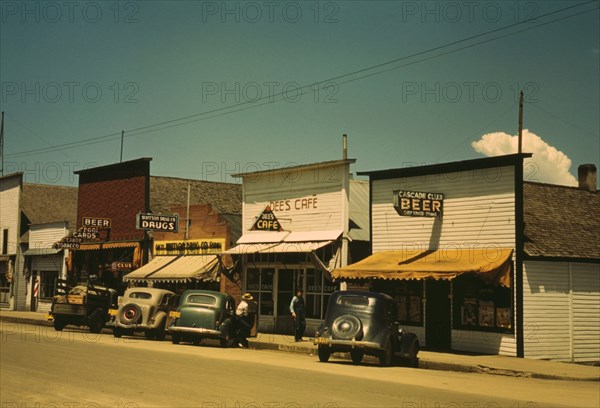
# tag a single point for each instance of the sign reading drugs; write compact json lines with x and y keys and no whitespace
{"x":418,"y":204}
{"x":158,"y":222}
{"x":266,"y":221}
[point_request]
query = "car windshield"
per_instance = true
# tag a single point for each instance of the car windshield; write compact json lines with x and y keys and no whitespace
{"x":140,"y":295}
{"x":353,"y":300}
{"x":202,"y":299}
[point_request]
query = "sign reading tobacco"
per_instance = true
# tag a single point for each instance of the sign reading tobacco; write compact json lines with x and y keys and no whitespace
{"x":418,"y":204}
{"x":158,"y":222}
{"x":266,"y":221}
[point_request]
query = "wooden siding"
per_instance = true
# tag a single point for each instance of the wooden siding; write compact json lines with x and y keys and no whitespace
{"x":10,"y":212}
{"x":44,"y":236}
{"x":546,"y":310}
{"x":479,"y":209}
{"x":484,"y":342}
{"x":328,"y":186}
{"x":586,"y":312}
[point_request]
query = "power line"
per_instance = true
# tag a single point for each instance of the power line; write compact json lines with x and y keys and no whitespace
{"x":250,"y":104}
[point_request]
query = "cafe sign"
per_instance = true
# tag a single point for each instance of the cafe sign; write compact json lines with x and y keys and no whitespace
{"x":266,"y":221}
{"x":418,"y":204}
{"x":189,"y":247}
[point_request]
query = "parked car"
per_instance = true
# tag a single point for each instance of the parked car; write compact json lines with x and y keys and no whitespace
{"x":205,"y":314}
{"x":143,"y":309}
{"x":81,"y":305}
{"x":365,"y":323}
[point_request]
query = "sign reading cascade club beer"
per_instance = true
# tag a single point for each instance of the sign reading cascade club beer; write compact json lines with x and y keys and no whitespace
{"x":189,"y":247}
{"x":266,"y":221}
{"x":158,"y":222}
{"x":418,"y":204}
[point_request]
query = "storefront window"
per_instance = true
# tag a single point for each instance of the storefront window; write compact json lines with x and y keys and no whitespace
{"x":481,"y":306}
{"x":408,"y":295}
{"x":318,"y":289}
{"x":259,"y":283}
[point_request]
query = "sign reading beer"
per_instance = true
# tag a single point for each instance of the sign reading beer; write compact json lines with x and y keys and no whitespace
{"x":418,"y":204}
{"x":189,"y":247}
{"x":103,"y":223}
{"x":266,"y":221}
{"x":158,"y":222}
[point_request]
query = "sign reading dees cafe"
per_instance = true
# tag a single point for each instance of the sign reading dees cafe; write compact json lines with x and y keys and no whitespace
{"x":418,"y":204}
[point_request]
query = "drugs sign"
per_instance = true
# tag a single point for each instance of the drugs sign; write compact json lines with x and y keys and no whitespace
{"x":158,"y":222}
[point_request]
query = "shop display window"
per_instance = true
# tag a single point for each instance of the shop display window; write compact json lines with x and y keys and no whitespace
{"x":408,"y":295}
{"x":259,"y":283}
{"x":481,"y":306}
{"x":318,"y":288}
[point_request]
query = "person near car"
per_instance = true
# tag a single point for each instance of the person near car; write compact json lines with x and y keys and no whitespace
{"x":297,"y":310}
{"x":243,"y":315}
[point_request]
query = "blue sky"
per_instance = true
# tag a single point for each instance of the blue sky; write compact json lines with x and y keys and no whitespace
{"x":74,"y":71}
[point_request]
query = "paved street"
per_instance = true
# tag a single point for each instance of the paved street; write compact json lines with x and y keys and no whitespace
{"x":42,"y":368}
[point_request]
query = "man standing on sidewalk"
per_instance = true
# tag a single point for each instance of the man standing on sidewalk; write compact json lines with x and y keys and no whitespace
{"x":297,"y":310}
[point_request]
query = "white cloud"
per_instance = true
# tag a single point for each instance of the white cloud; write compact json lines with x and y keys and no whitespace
{"x":547,"y":165}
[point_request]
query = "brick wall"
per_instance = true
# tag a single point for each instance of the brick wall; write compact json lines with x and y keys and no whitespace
{"x":204,"y":223}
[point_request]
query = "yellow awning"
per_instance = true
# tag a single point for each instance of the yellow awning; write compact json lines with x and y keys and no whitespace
{"x":107,"y":245}
{"x":151,"y":267}
{"x":492,"y":264}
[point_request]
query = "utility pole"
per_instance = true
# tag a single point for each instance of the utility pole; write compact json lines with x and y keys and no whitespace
{"x":520,"y":122}
{"x":122,"y":136}
{"x":187,"y":213}
{"x":2,"y":145}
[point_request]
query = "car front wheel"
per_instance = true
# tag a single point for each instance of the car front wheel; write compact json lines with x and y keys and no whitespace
{"x":175,"y":338}
{"x":324,"y":352}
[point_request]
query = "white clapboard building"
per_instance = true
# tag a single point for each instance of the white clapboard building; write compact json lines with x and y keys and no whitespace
{"x":481,"y":261}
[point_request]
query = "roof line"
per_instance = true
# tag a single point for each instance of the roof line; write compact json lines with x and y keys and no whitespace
{"x":308,"y":166}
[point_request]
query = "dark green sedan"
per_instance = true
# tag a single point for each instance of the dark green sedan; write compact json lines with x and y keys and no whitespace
{"x":204,"y":314}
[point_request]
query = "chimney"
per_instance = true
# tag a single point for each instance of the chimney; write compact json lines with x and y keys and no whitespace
{"x":587,"y":177}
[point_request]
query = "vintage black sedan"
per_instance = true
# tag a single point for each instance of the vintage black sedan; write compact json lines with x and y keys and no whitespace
{"x":204,"y":314}
{"x":362,"y":323}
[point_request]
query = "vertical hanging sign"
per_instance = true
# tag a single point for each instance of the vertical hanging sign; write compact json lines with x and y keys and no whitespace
{"x":266,"y":221}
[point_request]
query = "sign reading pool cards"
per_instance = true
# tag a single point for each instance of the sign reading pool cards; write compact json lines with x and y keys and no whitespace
{"x":266,"y":221}
{"x":158,"y":222}
{"x":418,"y":204}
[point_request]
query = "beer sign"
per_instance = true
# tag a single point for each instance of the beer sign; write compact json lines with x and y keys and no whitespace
{"x":418,"y":204}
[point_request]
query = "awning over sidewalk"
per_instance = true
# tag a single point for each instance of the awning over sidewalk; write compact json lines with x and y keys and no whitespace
{"x":255,"y":242}
{"x":151,"y":267}
{"x":177,"y":269}
{"x":42,"y":251}
{"x":492,"y":264}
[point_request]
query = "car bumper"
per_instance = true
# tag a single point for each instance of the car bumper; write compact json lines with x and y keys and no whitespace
{"x":199,"y":331}
{"x":131,"y":326}
{"x":346,"y":344}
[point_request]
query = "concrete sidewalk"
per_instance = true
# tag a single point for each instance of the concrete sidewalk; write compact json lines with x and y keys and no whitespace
{"x":490,"y":364}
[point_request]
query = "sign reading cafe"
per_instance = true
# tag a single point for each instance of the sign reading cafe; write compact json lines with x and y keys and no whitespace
{"x":418,"y":204}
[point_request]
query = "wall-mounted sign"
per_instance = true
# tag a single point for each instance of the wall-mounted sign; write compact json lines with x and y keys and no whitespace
{"x":87,"y":233}
{"x":266,"y":221}
{"x":74,"y":240}
{"x":189,"y":247}
{"x":418,"y":204}
{"x":103,"y":223}
{"x":298,"y":204}
{"x":158,"y":222}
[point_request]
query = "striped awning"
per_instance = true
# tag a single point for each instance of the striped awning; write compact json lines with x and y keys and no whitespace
{"x":107,"y":245}
{"x":178,"y":269}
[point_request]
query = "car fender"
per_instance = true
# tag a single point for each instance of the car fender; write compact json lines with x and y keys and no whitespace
{"x":159,"y":320}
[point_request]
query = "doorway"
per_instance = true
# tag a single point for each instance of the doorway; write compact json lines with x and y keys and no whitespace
{"x":288,"y":281}
{"x":437,"y":315}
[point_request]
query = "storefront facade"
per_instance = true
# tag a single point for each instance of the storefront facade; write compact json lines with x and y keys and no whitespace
{"x":187,"y":258}
{"x":11,"y":259}
{"x":110,"y":245}
{"x":44,"y":264}
{"x":462,"y":249}
{"x":295,"y":230}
